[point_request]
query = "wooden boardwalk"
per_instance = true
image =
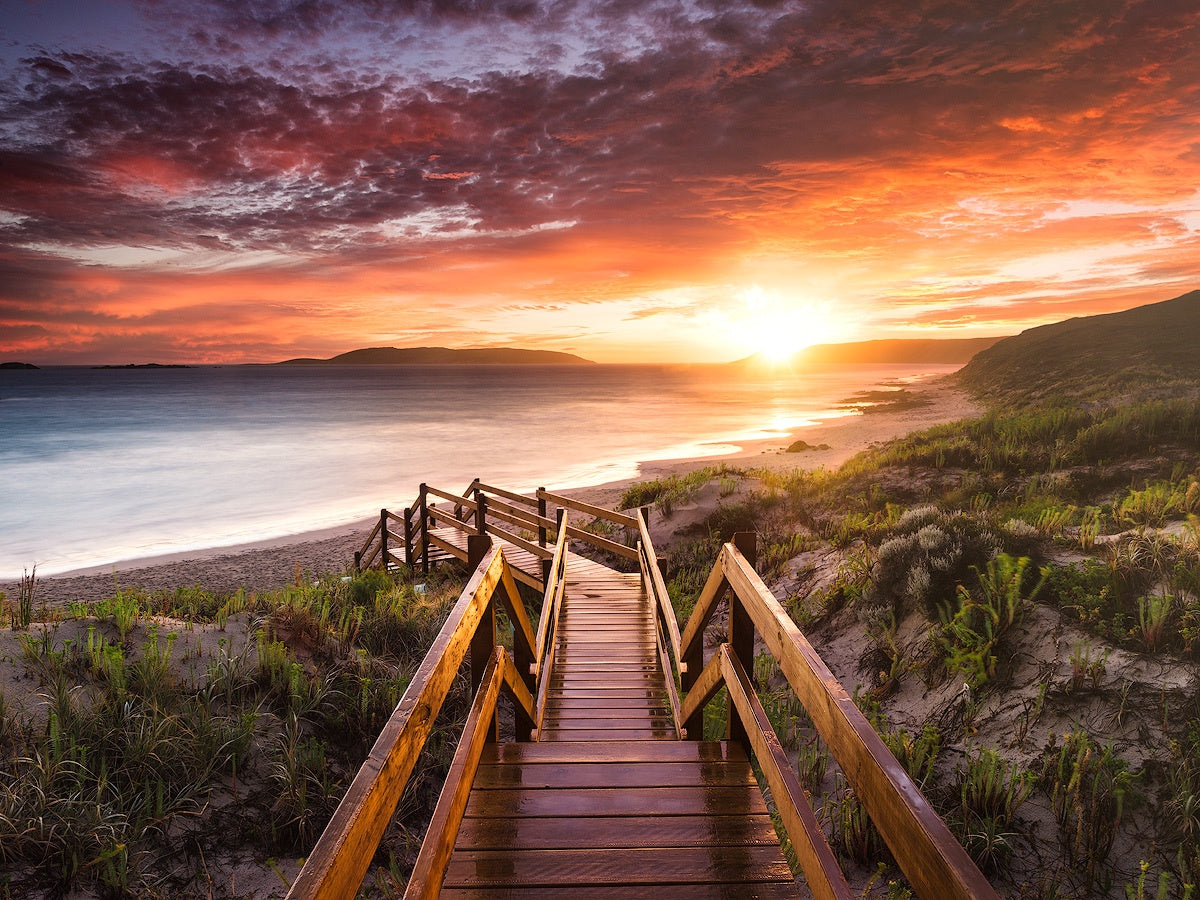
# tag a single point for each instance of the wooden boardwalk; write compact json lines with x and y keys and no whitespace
{"x":608,"y":801}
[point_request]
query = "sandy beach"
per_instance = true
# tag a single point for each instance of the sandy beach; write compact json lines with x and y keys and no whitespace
{"x":267,"y":565}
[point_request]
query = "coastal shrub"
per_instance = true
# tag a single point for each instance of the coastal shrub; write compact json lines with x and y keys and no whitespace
{"x":727,"y":519}
{"x":687,"y":568}
{"x":130,"y":762}
{"x":671,"y":490}
{"x":928,"y":553}
{"x":1153,"y":505}
{"x":854,"y":835}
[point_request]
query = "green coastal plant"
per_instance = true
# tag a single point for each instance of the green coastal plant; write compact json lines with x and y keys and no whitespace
{"x":1153,"y":615}
{"x":990,"y":791}
{"x":971,"y":637}
{"x":1090,"y":788}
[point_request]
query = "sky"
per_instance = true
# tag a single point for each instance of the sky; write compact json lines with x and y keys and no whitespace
{"x":628,"y":180}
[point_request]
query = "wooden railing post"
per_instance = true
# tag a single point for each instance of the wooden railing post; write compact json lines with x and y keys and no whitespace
{"x":383,"y":533}
{"x":741,"y":633}
{"x":483,"y":644}
{"x":480,"y":512}
{"x":541,"y":511}
{"x":423,"y":504}
{"x":408,"y":537}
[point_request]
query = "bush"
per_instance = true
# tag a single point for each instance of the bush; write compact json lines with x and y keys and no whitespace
{"x":928,"y":554}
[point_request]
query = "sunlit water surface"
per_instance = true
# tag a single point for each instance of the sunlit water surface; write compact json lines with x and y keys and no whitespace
{"x":99,"y":465}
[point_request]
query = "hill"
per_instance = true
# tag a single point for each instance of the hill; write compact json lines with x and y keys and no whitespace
{"x":935,"y":351}
{"x":444,"y":356}
{"x":1149,"y":350}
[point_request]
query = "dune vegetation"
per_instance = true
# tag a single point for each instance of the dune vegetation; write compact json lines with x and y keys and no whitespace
{"x":1015,"y":602}
{"x":182,"y":744}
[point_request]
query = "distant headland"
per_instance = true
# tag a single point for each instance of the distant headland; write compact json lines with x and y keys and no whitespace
{"x":923,"y":351}
{"x":146,"y":366}
{"x":17,"y":365}
{"x":443,"y":356}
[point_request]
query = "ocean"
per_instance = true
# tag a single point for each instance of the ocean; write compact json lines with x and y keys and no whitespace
{"x":101,"y":465}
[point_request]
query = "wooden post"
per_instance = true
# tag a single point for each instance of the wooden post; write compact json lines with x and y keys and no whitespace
{"x":541,"y":511}
{"x":408,"y":537}
{"x":357,"y":562}
{"x":423,"y":502}
{"x":383,"y":533}
{"x":741,"y":633}
{"x":483,"y":644}
{"x":480,"y":512}
{"x":477,"y":547}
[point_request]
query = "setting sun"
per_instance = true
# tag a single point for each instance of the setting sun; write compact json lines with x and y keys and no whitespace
{"x":776,"y":329}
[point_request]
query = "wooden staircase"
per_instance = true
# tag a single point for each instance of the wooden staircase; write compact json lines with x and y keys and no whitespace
{"x":609,"y":802}
{"x":608,"y":789}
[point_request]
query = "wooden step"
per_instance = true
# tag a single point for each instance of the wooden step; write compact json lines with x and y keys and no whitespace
{"x":625,"y":819}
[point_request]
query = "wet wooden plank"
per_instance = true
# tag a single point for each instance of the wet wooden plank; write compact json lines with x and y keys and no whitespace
{"x":607,"y":734}
{"x":612,"y":775}
{"x":555,"y":754}
{"x":645,"y":700}
{"x":636,"y":866}
{"x":730,"y":891}
{"x":566,"y":832}
{"x":662,"y":801}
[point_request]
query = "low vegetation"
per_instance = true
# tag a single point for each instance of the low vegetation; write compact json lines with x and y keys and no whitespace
{"x":154,"y":743}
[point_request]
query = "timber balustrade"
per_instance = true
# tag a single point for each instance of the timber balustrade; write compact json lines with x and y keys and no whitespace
{"x":934,"y":863}
{"x":340,"y":860}
{"x":429,"y":532}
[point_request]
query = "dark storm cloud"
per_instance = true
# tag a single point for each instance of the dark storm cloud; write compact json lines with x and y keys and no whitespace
{"x":314,"y":17}
{"x":694,"y":132}
{"x":645,"y":136}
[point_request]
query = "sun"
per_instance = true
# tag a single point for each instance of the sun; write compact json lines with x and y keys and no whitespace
{"x":776,"y":329}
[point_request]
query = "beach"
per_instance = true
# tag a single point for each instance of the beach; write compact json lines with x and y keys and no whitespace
{"x":268,"y":565}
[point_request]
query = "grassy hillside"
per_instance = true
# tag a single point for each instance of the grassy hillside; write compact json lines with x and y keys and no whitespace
{"x":935,"y":351}
{"x":1147,"y":351}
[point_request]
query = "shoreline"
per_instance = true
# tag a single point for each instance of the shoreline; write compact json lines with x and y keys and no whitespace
{"x":272,"y":563}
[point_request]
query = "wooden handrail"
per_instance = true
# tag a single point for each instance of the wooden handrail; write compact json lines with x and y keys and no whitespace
{"x":517,"y":541}
{"x":602,"y":543}
{"x":457,"y":500}
{"x":547,"y":632}
{"x":934,"y":863}
{"x":596,"y":512}
{"x":338,"y":863}
{"x":430,"y":868}
{"x":658,"y":588}
{"x":507,"y":495}
{"x":524,"y":517}
{"x":817,"y":860}
{"x":447,"y":518}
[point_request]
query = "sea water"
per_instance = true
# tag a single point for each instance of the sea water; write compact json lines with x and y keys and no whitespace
{"x":100,"y":465}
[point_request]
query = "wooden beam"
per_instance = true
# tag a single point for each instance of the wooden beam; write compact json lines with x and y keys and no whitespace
{"x":817,"y":860}
{"x":706,"y":684}
{"x":597,"y":512}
